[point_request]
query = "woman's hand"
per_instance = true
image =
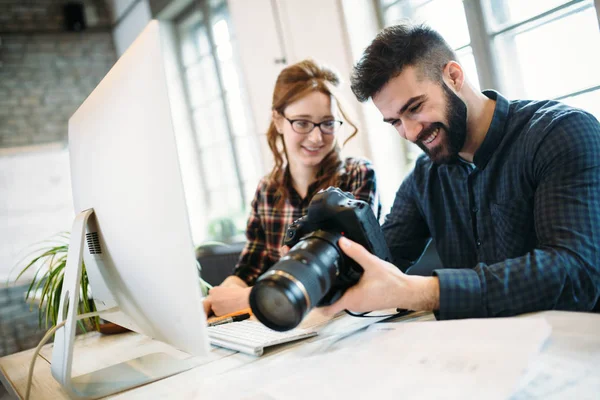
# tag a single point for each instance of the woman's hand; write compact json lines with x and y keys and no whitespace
{"x":232,"y":295}
{"x":227,"y":299}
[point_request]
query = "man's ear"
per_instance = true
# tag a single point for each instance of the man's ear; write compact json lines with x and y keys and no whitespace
{"x":454,"y":75}
{"x":278,"y":121}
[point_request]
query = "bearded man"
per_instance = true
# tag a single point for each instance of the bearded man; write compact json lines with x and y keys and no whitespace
{"x":509,"y":191}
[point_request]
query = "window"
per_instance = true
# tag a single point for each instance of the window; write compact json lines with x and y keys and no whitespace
{"x":533,"y":49}
{"x":227,"y":146}
{"x":547,"y":49}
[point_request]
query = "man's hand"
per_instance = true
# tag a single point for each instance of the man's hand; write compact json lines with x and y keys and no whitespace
{"x":383,"y":286}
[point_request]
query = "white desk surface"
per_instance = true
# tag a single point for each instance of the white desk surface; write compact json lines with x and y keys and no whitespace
{"x":571,"y":353}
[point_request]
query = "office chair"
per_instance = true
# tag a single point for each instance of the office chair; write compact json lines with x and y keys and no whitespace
{"x":429,"y":261}
{"x":217,"y":260}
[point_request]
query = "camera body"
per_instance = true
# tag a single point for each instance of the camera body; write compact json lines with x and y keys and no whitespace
{"x":316,"y":272}
{"x":340,"y":214}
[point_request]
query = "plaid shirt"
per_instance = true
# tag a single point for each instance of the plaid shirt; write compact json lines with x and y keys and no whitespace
{"x":267,"y":225}
{"x":519,"y":229}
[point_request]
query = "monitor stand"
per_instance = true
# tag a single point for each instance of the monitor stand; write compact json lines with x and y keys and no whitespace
{"x":112,"y":379}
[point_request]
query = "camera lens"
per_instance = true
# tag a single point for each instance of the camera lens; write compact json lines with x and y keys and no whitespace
{"x":285,"y":293}
{"x":278,"y":302}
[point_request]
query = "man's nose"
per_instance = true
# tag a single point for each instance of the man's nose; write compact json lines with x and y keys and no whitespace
{"x":412,"y":129}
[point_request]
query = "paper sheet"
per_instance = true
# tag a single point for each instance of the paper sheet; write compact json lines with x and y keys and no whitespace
{"x":569,"y":365}
{"x":449,"y":360}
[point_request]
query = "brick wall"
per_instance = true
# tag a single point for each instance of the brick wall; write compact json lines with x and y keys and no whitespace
{"x":19,"y":322}
{"x":19,"y":328}
{"x":47,"y":15}
{"x":45,"y":72}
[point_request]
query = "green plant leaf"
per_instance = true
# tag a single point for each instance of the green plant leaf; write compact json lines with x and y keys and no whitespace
{"x":80,"y":323}
{"x":49,"y":278}
{"x":50,"y":259}
{"x":84,"y":305}
{"x":59,"y":241}
{"x":54,"y":298}
{"x":32,"y":262}
{"x":56,"y":272}
{"x":39,"y":283}
{"x":46,"y":257}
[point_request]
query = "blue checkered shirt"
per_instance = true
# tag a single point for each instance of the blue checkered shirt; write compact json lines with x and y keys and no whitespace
{"x":518,"y":230}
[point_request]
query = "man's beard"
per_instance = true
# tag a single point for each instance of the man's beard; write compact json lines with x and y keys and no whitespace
{"x":455,"y":133}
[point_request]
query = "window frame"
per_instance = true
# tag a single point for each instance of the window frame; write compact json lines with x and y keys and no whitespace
{"x":207,"y":12}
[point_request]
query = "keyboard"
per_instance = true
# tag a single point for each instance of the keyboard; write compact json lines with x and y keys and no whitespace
{"x":251,"y":337}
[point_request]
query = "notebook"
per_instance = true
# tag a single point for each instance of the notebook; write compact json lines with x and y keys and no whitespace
{"x":252,"y":337}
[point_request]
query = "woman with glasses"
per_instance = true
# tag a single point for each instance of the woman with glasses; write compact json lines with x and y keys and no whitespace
{"x":303,"y":137}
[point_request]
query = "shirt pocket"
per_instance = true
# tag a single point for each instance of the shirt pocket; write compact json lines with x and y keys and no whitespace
{"x":513,"y":226}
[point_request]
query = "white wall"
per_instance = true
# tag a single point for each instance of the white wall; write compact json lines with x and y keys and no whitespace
{"x":35,"y":201}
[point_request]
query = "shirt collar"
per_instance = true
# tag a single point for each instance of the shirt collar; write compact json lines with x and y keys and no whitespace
{"x":495,"y":132}
{"x":294,"y":197}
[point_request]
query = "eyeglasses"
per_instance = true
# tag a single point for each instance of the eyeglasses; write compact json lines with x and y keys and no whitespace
{"x":304,"y":127}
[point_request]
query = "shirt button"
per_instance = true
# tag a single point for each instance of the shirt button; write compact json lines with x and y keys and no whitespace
{"x":478,"y":243}
{"x":475,"y":210}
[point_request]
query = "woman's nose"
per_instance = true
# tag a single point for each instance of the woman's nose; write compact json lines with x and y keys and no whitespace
{"x":315,"y":136}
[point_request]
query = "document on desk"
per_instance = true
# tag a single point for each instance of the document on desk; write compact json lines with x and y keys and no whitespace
{"x":568,"y":366}
{"x":476,"y":358}
{"x":482,"y":358}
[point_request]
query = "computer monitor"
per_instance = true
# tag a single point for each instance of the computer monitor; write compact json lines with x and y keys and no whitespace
{"x":131,"y":224}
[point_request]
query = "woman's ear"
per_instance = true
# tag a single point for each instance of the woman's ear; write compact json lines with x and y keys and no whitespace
{"x":278,"y":121}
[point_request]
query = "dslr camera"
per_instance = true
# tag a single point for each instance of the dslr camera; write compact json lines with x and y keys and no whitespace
{"x":316,"y":272}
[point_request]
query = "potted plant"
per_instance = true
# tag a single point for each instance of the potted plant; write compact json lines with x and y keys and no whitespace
{"x":49,"y":261}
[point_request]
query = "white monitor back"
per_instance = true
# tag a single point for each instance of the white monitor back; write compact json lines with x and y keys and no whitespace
{"x":124,"y":164}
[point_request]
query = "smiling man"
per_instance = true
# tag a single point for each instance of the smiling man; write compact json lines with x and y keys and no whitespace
{"x":508,"y":190}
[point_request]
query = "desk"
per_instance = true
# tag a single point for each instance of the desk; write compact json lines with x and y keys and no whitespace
{"x":574,"y":346}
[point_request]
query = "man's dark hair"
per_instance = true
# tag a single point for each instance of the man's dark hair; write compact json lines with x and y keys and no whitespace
{"x":395,"y":48}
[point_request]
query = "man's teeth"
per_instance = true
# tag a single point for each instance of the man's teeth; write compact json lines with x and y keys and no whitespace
{"x":432,"y":137}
